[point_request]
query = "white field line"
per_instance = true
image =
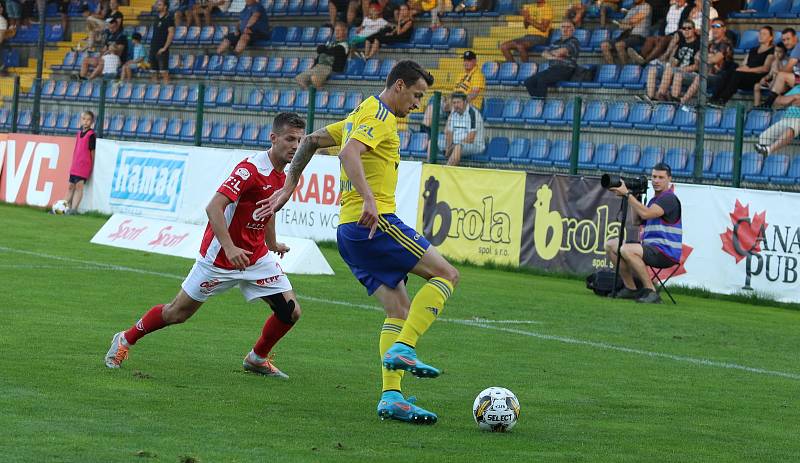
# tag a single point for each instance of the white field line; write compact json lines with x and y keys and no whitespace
{"x":474,"y":323}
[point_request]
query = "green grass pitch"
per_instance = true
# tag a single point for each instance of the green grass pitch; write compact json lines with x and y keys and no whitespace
{"x":706,"y":380}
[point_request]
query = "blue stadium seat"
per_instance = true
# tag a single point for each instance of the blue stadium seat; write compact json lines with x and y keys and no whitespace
{"x":525,"y":71}
{"x":116,"y":124}
{"x":180,"y":35}
{"x":48,"y":123}
{"x":439,"y":38}
{"x":291,"y":38}
{"x":794,"y":12}
{"x":137,"y":94}
{"x":210,"y":99}
{"x":286,"y":100}
{"x":631,"y":77}
{"x":173,"y":63}
{"x":776,"y":165}
{"x":280,"y":7}
{"x":253,"y":101}
{"x":497,"y":150}
{"x":301,"y":102}
{"x":627,"y":157}
{"x":685,"y":121}
{"x":538,"y":154}
{"x":321,"y":101}
{"x":585,"y":154}
{"x":606,"y":74}
{"x":778,"y":8}
{"x":224,"y":97}
{"x":553,"y":112}
{"x":144,"y":127}
{"x":569,"y":112}
{"x":749,"y":38}
{"x":792,"y":175}
{"x":752,"y":164}
{"x":371,"y":69}
{"x":307,"y":37}
{"x":263,"y":136}
{"x":512,"y":111}
{"x":250,"y":135}
{"x":386,"y":66}
{"x":457,"y":38}
{"x":165,"y":94}
{"x":244,"y":66}
{"x":158,"y":129}
{"x":84,"y":94}
{"x":310,"y":7}
{"x":234,"y":135}
{"x":662,"y":117}
{"x":214,"y":65}
{"x":68,"y":63}
{"x":405,"y":139}
{"x":73,"y":88}
{"x":130,"y":127}
{"x":186,"y":65}
{"x":721,"y":167}
{"x":289,"y":68}
{"x":151,"y":94}
{"x":229,"y":64}
{"x":490,"y":70}
{"x":598,"y":36}
{"x":639,"y":115}
{"x":324,"y":34}
{"x":294,"y":8}
{"x":274,"y":66}
{"x":605,"y":157}
{"x":756,"y":122}
{"x":206,"y":36}
{"x":493,"y":109}
{"x":173,"y":131}
{"x":759,"y":6}
{"x":676,"y":158}
{"x":352,"y":101}
{"x":532,"y":110}
{"x":201,"y":63}
{"x":518,"y":150}
{"x":304,"y":64}
{"x":725,"y":121}
{"x":420,"y":38}
{"x":271,"y":99}
{"x":259,"y":66}
{"x":651,"y":155}
{"x":507,"y":74}
{"x":418,"y":146}
{"x":559,"y":153}
{"x":187,"y":130}
{"x":584,"y":36}
{"x":595,"y":112}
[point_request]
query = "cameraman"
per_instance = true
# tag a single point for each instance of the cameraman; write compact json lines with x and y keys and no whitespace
{"x":661,"y":237}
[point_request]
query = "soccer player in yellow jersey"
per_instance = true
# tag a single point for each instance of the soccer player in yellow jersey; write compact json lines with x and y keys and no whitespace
{"x":379,"y":248}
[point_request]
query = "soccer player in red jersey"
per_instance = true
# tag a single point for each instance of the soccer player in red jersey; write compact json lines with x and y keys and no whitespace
{"x":236,"y":250}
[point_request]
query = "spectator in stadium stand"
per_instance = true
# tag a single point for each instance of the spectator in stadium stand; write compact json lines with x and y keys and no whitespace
{"x":433,"y":7}
{"x":463,"y":134}
{"x":253,"y":25}
{"x":781,"y":133}
{"x":14,"y":12}
{"x":460,"y":6}
{"x":398,"y":33}
{"x":206,"y":8}
{"x":137,"y":60}
{"x":28,"y":11}
{"x":369,"y":28}
{"x":661,"y":238}
{"x":575,"y":13}
{"x":63,"y":12}
{"x":789,"y":75}
{"x":331,"y":57}
{"x":658,"y":17}
{"x":753,"y":68}
{"x":95,"y":25}
{"x":635,"y":27}
{"x":115,"y":42}
{"x":765,"y":83}
{"x":602,"y":8}
{"x":721,"y":65}
{"x":696,"y":15}
{"x":562,"y":56}
{"x":655,"y":45}
{"x":537,"y":18}
{"x":183,"y":12}
{"x":3,"y":25}
{"x":472,"y":84}
{"x":163,"y":33}
{"x":680,"y":57}
{"x":343,"y":10}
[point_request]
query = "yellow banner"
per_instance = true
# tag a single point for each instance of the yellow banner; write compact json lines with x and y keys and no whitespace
{"x":472,"y":214}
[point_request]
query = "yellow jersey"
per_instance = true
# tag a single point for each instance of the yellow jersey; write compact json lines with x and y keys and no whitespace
{"x":543,"y":12}
{"x":470,"y":81}
{"x":373,"y":124}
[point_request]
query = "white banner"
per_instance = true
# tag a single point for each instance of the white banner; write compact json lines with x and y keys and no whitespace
{"x":183,"y":240}
{"x":313,"y":211}
{"x":175,"y":182}
{"x":739,"y":241}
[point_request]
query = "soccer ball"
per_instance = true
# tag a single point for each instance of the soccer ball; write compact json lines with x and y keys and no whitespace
{"x":60,"y":207}
{"x":496,"y":409}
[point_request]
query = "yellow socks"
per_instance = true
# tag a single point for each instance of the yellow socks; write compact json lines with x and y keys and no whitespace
{"x":391,"y":329}
{"x":426,"y":306}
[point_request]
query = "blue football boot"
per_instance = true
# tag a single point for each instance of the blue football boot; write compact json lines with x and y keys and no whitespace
{"x":403,"y":357}
{"x":393,"y":406}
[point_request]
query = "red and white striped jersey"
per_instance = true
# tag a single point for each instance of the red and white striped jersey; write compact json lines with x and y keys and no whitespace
{"x":252,"y":180}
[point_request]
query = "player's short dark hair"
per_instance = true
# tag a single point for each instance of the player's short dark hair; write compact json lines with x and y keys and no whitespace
{"x":409,"y":72}
{"x":665,"y":167}
{"x":284,"y":120}
{"x":88,"y":113}
{"x":789,"y":30}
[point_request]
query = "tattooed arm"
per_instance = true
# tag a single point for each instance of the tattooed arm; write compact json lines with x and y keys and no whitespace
{"x":308,"y":146}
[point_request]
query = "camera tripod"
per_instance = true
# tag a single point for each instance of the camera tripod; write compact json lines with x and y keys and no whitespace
{"x":622,"y":236}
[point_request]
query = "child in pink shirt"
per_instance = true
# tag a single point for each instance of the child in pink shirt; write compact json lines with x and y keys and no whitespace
{"x":82,"y":161}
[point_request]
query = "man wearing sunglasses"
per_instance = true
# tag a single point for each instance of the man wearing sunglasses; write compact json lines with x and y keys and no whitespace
{"x":680,"y":58}
{"x":720,"y":64}
{"x":655,"y":46}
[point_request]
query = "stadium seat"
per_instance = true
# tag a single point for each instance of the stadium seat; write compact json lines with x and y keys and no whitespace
{"x":280,"y":7}
{"x":631,"y":77}
{"x":569,"y":113}
{"x":173,"y":130}
{"x":792,"y":175}
{"x":418,"y":146}
{"x":721,"y":167}
{"x":321,"y":101}
{"x":627,"y":157}
{"x":234,"y":135}
{"x":274,"y":66}
{"x":62,"y":123}
{"x":457,"y":38}
{"x":307,"y":37}
{"x":206,"y":36}
{"x":748,"y":39}
{"x":651,"y":155}
{"x":244,"y":66}
{"x":553,"y":110}
{"x":605,"y":157}
{"x":598,"y":36}
{"x":537,"y":154}
{"x":214,"y":65}
{"x":352,"y":101}
{"x":286,"y":100}
{"x":775,"y":165}
{"x":776,"y":9}
{"x":525,"y":71}
{"x":205,"y":132}
{"x":48,"y":122}
{"x":507,"y":74}
{"x":130,"y":127}
{"x":301,"y":102}
{"x":151,"y":94}
{"x":497,"y":150}
{"x":606,"y":74}
{"x":490,"y":70}
{"x":752,"y":164}
{"x":250,"y":135}
{"x":639,"y":115}
{"x":420,"y":38}
{"x":518,"y":150}
{"x":165,"y":94}
{"x":559,"y":153}
{"x":595,"y":112}
{"x":73,"y":88}
{"x":253,"y":101}
{"x":532,"y":110}
{"x":662,"y":117}
{"x":336,"y":103}
{"x":291,"y":38}
{"x":67,"y":64}
{"x":259,"y":66}
{"x":201,"y":63}
{"x":512,"y":111}
{"x":793,"y":13}
{"x":210,"y":99}
{"x":439,"y":38}
{"x":676,"y":158}
{"x":303,"y":65}
{"x":294,"y":8}
{"x":493,"y":109}
{"x":138,"y":92}
{"x":310,"y":7}
{"x":187,"y":130}
{"x":756,"y":122}
{"x":158,"y":128}
{"x":278,"y":35}
{"x":180,"y":35}
{"x":116,"y":124}
{"x":229,"y":65}
{"x":59,"y":90}
{"x":144,"y":127}
{"x":271,"y":99}
{"x":84,"y":94}
{"x":726,"y":122}
{"x":386,"y":66}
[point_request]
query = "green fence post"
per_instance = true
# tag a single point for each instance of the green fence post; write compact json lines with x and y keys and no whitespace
{"x":434,"y":141}
{"x":312,"y":108}
{"x":15,"y":105}
{"x":576,"y":135}
{"x":699,"y":144}
{"x":36,"y":110}
{"x":198,"y":121}
{"x":738,"y":140}
{"x":101,"y":110}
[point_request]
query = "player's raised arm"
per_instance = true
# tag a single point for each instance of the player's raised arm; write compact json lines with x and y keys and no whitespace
{"x":216,"y":218}
{"x":308,"y":146}
{"x":350,"y":156}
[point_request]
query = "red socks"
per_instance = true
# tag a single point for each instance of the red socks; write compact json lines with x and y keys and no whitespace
{"x":151,"y":321}
{"x":272,"y":332}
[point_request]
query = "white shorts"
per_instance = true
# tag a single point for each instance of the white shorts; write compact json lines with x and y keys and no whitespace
{"x":264,"y":278}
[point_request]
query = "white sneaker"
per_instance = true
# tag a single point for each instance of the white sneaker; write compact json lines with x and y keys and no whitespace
{"x":118,"y":352}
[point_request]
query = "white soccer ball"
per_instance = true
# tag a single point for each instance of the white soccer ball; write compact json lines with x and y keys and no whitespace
{"x":60,"y":207}
{"x":496,"y":409}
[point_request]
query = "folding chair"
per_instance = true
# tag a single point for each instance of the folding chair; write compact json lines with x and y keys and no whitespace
{"x":655,"y":273}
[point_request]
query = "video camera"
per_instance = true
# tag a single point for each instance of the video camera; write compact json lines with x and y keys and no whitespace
{"x":636,"y":185}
